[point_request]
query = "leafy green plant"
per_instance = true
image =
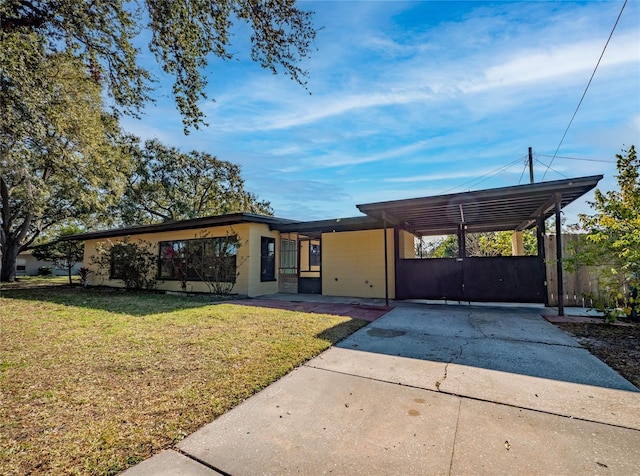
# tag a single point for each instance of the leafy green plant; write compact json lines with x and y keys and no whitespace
{"x":45,"y":271}
{"x":613,"y":242}
{"x":219,"y":270}
{"x":84,"y":276}
{"x":132,"y":262}
{"x":64,"y":254}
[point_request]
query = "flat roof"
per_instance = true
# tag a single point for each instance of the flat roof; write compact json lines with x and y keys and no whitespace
{"x":315,"y":228}
{"x":507,"y":208}
{"x":220,"y":220}
{"x":498,"y":209}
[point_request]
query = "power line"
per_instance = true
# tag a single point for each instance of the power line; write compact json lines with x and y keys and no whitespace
{"x":487,"y":175}
{"x":549,"y":167}
{"x":524,"y":169}
{"x":586,"y":89}
{"x":578,"y":158}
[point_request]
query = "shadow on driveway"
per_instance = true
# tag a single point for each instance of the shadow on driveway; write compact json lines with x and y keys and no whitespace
{"x":506,"y":339}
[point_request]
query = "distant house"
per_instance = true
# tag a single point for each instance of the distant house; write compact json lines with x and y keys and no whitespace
{"x":28,"y":265}
{"x":370,"y":256}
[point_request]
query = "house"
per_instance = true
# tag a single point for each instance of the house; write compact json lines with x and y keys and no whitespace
{"x":369,"y":256}
{"x":28,"y":265}
{"x":333,"y":257}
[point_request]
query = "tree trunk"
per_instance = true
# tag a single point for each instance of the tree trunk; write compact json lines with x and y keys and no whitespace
{"x":69,"y":270}
{"x":9,"y":256}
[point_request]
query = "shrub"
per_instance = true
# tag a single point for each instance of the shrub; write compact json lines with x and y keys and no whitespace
{"x":45,"y":271}
{"x":132,"y":262}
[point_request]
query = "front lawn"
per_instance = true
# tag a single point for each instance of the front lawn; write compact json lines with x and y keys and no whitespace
{"x":93,"y":381}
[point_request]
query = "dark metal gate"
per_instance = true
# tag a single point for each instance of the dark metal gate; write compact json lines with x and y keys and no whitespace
{"x":491,"y":279}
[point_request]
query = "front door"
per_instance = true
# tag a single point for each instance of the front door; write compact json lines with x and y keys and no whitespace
{"x":309,"y":271}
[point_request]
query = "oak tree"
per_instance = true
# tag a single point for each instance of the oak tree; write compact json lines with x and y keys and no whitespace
{"x":59,"y":157}
{"x":184,"y":37}
{"x":169,"y":185}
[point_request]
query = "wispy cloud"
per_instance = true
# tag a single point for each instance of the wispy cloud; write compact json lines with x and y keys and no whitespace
{"x":413,"y":98}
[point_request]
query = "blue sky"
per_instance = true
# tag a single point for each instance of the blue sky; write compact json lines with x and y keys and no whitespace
{"x":411,"y":99}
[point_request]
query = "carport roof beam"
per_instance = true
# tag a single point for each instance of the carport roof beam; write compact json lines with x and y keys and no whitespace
{"x":505,"y":208}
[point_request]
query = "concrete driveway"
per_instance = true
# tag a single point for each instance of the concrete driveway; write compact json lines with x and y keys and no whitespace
{"x":430,"y":389}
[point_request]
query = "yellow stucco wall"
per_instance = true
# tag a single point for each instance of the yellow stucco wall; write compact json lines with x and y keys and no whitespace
{"x":407,"y":245}
{"x":353,"y":264}
{"x":248,"y":259}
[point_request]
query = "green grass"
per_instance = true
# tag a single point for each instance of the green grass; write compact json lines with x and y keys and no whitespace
{"x":93,"y":381}
{"x":36,"y":281}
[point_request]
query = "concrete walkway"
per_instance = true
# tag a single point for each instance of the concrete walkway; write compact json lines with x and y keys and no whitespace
{"x":430,"y":389}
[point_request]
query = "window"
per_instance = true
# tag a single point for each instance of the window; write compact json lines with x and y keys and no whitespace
{"x":213,"y":259}
{"x":119,"y":254}
{"x":314,"y":255}
{"x":287,"y":256}
{"x":267,"y":259}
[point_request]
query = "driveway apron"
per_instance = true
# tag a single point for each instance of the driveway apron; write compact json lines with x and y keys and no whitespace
{"x":431,"y":389}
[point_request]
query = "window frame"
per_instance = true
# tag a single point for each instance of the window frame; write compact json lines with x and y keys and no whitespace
{"x":315,"y":257}
{"x":288,"y":256}
{"x":267,"y":259}
{"x":188,"y":257}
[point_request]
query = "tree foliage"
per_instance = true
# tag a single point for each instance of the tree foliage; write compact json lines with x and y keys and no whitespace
{"x":133,"y":262}
{"x":612,"y":239}
{"x":493,"y":243}
{"x":614,"y":226}
{"x":185,"y":34}
{"x":58,"y":152}
{"x":168,"y":185}
{"x":64,"y":254}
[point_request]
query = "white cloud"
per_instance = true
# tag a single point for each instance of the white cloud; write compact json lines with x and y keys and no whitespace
{"x":530,"y":66}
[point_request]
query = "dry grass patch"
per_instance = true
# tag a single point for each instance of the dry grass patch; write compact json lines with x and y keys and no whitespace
{"x":92,"y":382}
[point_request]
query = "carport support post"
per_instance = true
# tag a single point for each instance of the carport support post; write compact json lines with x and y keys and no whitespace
{"x":386,"y":264}
{"x":462,"y":242}
{"x":558,"y":200}
{"x":540,"y":229}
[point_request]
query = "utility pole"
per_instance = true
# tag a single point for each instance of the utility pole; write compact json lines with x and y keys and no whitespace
{"x":530,"y":166}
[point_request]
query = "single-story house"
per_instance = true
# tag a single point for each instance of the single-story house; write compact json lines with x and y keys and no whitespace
{"x":28,"y":265}
{"x":369,"y":256}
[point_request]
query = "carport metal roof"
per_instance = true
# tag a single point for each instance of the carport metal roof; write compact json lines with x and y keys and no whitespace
{"x":507,"y":208}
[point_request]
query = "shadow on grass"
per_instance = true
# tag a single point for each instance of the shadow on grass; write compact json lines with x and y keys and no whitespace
{"x":341,"y":331}
{"x":136,"y":303}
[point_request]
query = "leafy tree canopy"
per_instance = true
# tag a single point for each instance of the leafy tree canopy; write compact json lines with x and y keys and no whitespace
{"x":493,"y":243}
{"x":59,"y":152}
{"x":185,"y":34}
{"x":64,"y":254}
{"x":612,"y":231}
{"x":168,"y":185}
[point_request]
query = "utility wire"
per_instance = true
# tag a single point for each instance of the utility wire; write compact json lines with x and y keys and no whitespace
{"x":524,"y":169}
{"x":586,"y":89}
{"x":549,"y":167}
{"x":487,"y":175}
{"x":578,"y":158}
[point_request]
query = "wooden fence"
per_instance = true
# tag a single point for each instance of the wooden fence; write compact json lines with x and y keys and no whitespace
{"x":584,"y":280}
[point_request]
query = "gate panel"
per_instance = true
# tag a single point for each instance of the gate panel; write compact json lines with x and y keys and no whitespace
{"x":435,"y":278}
{"x":492,"y":279}
{"x":504,"y":279}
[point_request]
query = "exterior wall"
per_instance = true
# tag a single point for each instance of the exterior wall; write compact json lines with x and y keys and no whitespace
{"x":248,"y":259}
{"x":31,"y":265}
{"x":254,"y":286}
{"x":406,"y":245}
{"x":353,"y":264}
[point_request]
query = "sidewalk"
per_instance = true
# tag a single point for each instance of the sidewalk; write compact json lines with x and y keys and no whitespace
{"x":430,"y":390}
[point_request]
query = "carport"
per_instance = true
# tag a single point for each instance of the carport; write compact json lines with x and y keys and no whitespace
{"x":501,"y":279}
